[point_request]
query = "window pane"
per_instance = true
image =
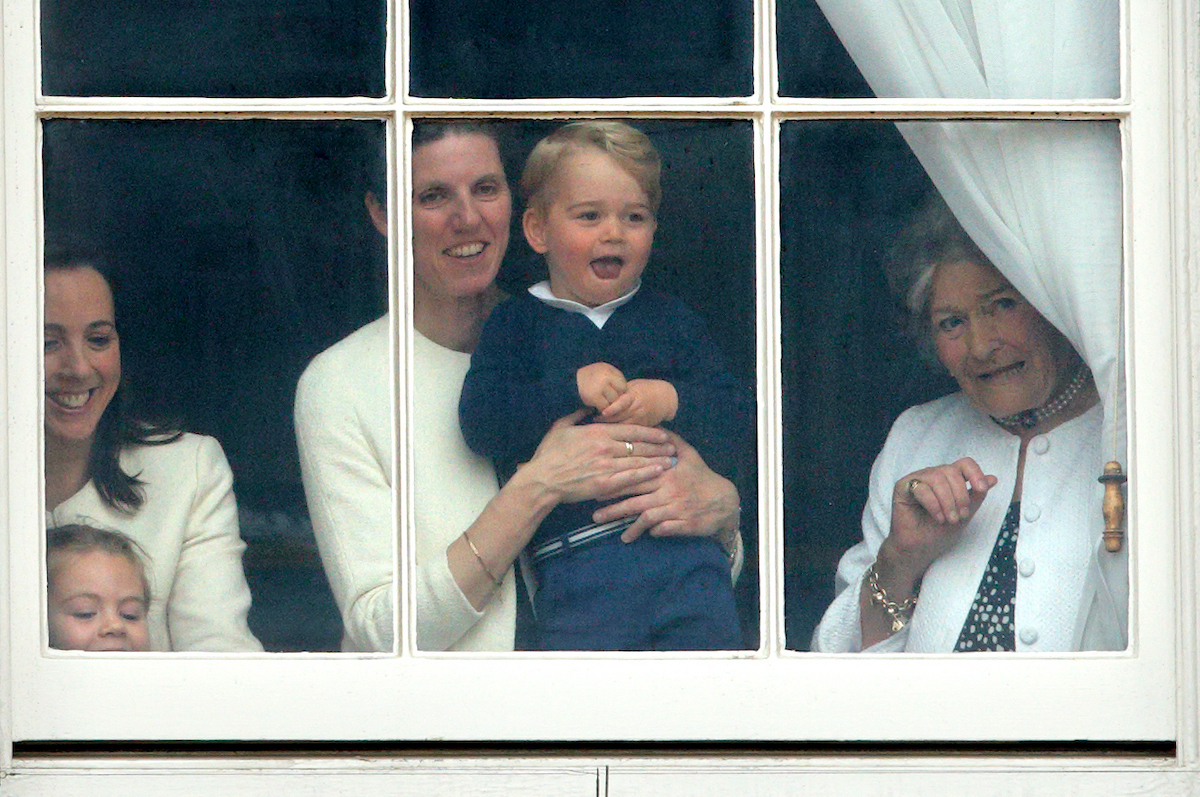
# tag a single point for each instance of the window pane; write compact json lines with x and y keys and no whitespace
{"x":847,"y":188}
{"x":812,"y":60}
{"x":213,"y":49}
{"x":703,"y":254}
{"x":1068,"y":49}
{"x":566,"y":48}
{"x":237,"y":251}
{"x":855,"y":199}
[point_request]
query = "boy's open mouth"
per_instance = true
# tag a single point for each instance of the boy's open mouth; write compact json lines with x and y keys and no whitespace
{"x":607,"y":268}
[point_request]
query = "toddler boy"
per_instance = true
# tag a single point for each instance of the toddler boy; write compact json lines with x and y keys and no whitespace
{"x":592,"y":336}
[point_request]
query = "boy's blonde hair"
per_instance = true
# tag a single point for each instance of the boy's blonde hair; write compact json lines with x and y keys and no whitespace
{"x":79,"y":539}
{"x":630,"y":147}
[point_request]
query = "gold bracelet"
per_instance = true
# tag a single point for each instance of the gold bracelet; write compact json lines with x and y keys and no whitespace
{"x":900,"y":613}
{"x":479,"y":557}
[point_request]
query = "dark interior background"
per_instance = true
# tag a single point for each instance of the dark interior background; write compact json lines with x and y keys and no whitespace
{"x":581,"y":48}
{"x":848,"y":370}
{"x":459,"y":48}
{"x":214,"y":48}
{"x":242,"y":248}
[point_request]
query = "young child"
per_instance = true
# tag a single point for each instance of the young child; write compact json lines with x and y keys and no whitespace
{"x":592,"y":336}
{"x":97,"y":595}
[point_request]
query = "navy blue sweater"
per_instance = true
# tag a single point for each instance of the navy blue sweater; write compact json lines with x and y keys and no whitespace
{"x":522,"y":379}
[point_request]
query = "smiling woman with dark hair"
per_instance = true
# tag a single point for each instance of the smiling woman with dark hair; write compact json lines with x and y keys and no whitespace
{"x":982,"y":527}
{"x":469,"y":530}
{"x":170,"y":492}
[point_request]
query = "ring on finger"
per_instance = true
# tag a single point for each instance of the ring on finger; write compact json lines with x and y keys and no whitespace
{"x":912,"y":485}
{"x":628,"y":449}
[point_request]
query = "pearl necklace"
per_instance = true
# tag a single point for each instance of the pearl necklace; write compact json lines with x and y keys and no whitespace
{"x":1027,"y":419}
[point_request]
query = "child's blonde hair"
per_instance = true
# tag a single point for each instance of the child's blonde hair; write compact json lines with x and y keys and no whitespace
{"x":79,"y":539}
{"x":630,"y":147}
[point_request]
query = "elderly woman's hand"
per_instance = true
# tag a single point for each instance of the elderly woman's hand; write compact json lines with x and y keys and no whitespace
{"x":598,"y":461}
{"x":687,"y":500}
{"x":930,"y":508}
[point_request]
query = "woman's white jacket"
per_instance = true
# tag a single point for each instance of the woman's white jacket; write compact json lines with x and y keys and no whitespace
{"x":1071,"y":593}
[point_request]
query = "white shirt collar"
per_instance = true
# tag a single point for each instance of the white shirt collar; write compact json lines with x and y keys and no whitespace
{"x":597,"y":315}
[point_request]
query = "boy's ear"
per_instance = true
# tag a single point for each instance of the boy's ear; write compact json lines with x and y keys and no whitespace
{"x":534,"y":224}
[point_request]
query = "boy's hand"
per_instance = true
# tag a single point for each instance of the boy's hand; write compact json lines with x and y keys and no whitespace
{"x":600,"y":384}
{"x":648,"y":402}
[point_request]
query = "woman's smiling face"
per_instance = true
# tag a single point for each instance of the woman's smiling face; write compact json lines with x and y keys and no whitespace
{"x":461,"y":213}
{"x":1004,"y":355}
{"x":82,"y":353}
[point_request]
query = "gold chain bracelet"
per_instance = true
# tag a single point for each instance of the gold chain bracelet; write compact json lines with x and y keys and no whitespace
{"x":900,"y":613}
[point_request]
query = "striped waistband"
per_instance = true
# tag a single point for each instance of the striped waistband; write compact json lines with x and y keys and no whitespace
{"x":579,"y":538}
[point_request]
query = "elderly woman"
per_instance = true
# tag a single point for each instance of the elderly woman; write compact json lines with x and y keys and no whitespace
{"x":170,"y":492}
{"x":982,"y":528}
{"x":468,"y":530}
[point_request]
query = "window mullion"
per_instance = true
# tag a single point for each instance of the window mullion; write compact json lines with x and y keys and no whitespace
{"x":770,"y":454}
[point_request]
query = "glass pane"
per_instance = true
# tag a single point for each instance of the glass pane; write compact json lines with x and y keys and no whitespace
{"x":213,"y":49}
{"x":236,"y":251}
{"x":846,"y":189}
{"x":856,"y":203}
{"x":812,"y":60}
{"x":1068,"y":49}
{"x":498,"y":49}
{"x":524,"y":372}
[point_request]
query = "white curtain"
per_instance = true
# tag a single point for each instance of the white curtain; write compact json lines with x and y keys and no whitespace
{"x":1041,"y":199}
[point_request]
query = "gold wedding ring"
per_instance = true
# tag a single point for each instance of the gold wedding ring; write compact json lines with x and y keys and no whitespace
{"x":628,"y":449}
{"x":912,"y":485}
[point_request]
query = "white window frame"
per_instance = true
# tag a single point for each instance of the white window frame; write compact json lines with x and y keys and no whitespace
{"x":1148,"y":694}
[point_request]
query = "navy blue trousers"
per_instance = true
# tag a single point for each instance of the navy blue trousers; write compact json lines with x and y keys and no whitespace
{"x":672,"y":593}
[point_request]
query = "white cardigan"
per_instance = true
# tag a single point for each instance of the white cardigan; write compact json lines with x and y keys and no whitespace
{"x":188,"y":526}
{"x":344,"y":432}
{"x":1071,"y":593}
